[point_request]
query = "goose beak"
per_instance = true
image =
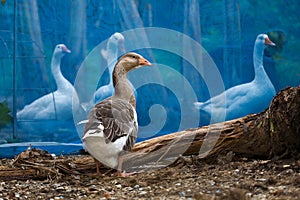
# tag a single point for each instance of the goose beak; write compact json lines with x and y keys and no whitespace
{"x":269,"y":42}
{"x":65,"y":49}
{"x":143,"y":61}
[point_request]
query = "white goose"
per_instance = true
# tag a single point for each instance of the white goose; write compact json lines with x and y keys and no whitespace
{"x":246,"y":98}
{"x":112,"y":126}
{"x":115,"y":44}
{"x":57,"y":104}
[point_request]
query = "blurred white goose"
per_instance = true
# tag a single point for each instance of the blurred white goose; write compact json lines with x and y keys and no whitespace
{"x":114,"y":46}
{"x":246,"y":98}
{"x":57,"y":104}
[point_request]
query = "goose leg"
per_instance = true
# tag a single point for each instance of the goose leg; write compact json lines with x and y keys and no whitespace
{"x":119,"y":168}
{"x":119,"y":172}
{"x":98,"y":173}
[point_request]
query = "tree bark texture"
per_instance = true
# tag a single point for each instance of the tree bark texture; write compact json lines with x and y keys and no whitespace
{"x":273,"y":133}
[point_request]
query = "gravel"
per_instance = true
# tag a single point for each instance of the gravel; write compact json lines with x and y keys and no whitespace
{"x":239,"y":179}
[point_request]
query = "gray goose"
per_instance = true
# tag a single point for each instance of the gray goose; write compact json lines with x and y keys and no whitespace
{"x":111,"y":129}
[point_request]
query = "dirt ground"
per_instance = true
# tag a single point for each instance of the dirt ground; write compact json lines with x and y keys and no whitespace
{"x":189,"y":178}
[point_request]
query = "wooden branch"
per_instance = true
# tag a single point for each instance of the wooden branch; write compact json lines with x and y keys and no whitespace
{"x":8,"y":173}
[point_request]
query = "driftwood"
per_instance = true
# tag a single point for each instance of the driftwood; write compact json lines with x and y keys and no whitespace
{"x":272,"y":134}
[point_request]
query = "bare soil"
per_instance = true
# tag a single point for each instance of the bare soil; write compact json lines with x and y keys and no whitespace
{"x":73,"y":177}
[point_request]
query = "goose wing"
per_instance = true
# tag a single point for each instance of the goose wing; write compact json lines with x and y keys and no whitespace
{"x":113,"y":118}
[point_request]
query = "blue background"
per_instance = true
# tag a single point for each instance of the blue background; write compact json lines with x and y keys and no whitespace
{"x":29,"y":31}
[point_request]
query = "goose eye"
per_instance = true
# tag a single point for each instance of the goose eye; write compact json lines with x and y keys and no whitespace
{"x":133,"y":56}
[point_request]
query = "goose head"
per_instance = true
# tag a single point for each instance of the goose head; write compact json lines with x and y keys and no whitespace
{"x":126,"y":63}
{"x":131,"y":61}
{"x":115,"y":44}
{"x":264,"y":40}
{"x":60,"y":50}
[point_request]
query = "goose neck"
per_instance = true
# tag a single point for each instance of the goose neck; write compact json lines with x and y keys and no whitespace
{"x":110,"y":71}
{"x":123,"y":88}
{"x":56,"y":71}
{"x":258,"y":62}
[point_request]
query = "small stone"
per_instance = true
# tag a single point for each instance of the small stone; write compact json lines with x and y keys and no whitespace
{"x":289,"y":171}
{"x":248,"y":195}
{"x":265,"y":161}
{"x":261,"y":179}
{"x":136,"y":187}
{"x":119,"y":186}
{"x":76,"y":177}
{"x":143,"y":192}
{"x":68,"y":190}
{"x":60,"y":188}
{"x":218,"y":192}
{"x":182,"y":194}
{"x":178,"y":184}
{"x":211,"y":182}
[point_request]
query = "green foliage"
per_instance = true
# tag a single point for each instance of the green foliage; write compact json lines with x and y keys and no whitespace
{"x":5,"y":117}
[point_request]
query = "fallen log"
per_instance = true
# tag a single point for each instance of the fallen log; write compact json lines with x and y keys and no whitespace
{"x":273,"y":133}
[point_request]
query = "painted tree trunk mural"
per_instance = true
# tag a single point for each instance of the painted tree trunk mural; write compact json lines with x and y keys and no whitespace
{"x":232,"y":45}
{"x":192,"y":28}
{"x":78,"y":33}
{"x":35,"y":60}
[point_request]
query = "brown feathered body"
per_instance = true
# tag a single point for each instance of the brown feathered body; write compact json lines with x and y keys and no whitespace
{"x":112,"y":124}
